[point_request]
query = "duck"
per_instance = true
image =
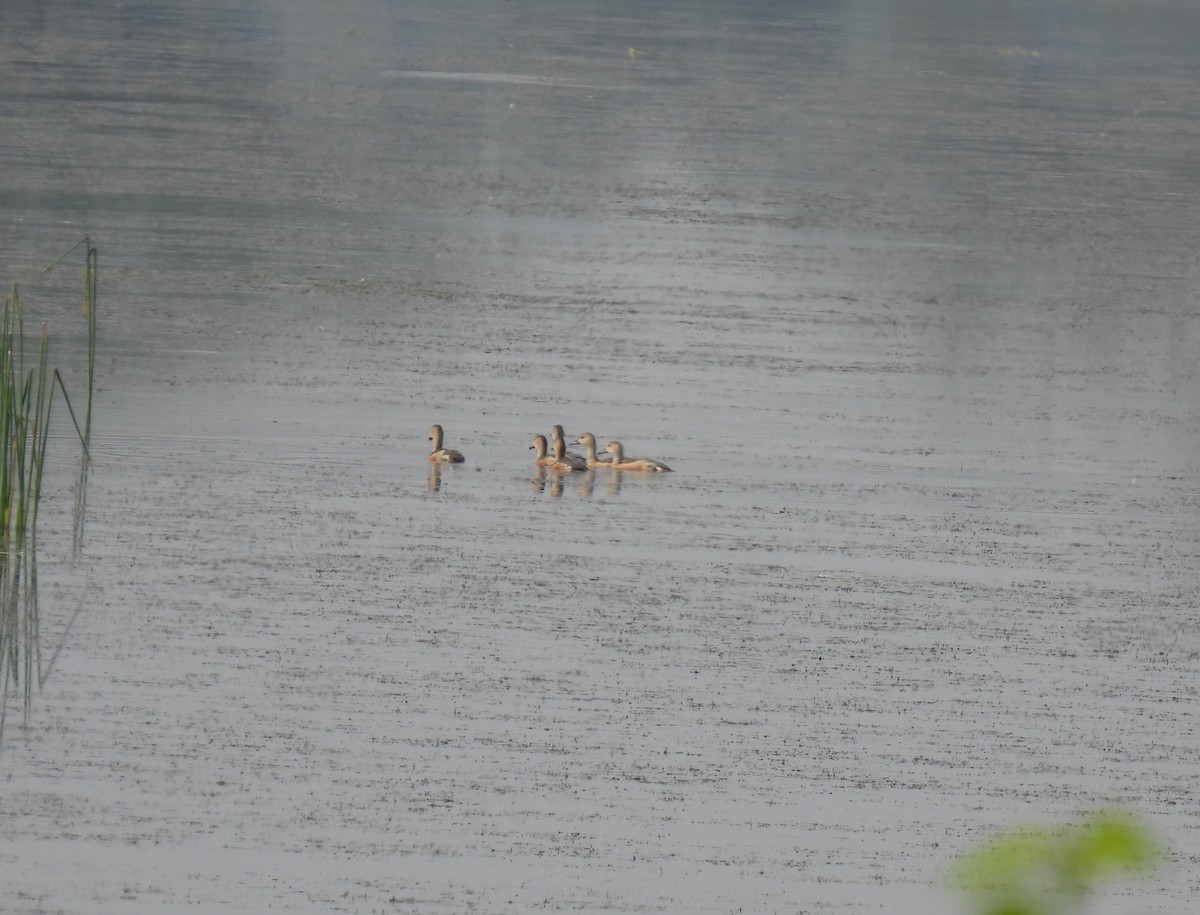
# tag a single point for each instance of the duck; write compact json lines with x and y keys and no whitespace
{"x":440,"y":454}
{"x":620,"y":462}
{"x":556,"y":461}
{"x":565,"y":461}
{"x":593,"y":459}
{"x":557,"y":437}
{"x":541,"y":458}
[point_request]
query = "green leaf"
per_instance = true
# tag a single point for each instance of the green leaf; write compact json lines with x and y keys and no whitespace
{"x":1045,"y":871}
{"x":1107,"y":844}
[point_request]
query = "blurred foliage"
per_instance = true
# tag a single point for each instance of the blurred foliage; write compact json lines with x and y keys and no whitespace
{"x":1052,"y":870}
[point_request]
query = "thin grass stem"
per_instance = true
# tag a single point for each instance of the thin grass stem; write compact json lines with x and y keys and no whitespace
{"x":26,"y":404}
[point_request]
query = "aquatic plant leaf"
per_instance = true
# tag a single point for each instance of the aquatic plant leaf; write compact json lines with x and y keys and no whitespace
{"x":1045,"y":871}
{"x":1107,"y":844}
{"x":1005,"y":862}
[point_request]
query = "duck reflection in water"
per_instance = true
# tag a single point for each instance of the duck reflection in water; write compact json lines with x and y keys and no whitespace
{"x":552,"y":481}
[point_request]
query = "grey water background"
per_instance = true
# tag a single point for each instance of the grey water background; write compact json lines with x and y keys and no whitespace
{"x":906,"y":293}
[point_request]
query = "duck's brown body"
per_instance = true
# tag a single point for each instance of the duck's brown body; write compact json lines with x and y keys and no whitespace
{"x":620,"y":462}
{"x":440,"y":454}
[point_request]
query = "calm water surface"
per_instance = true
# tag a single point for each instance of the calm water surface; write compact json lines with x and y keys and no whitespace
{"x":907,"y":297}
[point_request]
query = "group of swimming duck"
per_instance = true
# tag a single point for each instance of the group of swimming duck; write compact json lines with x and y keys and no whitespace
{"x":555,"y":455}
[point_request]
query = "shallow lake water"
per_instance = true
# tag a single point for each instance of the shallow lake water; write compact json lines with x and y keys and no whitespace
{"x":906,"y":296}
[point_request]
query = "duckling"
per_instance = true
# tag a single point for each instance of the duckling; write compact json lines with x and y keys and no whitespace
{"x":556,"y":461}
{"x":564,"y":461}
{"x":440,"y":454}
{"x":541,"y":458}
{"x":558,"y":437}
{"x":593,"y":459}
{"x":620,"y":462}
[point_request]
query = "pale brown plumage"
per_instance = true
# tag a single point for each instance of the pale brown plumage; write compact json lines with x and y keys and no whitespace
{"x":440,"y":454}
{"x":620,"y":462}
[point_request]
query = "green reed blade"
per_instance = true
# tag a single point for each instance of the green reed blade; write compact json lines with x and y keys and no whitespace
{"x":41,"y":422}
{"x":90,"y":303}
{"x":26,"y":404}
